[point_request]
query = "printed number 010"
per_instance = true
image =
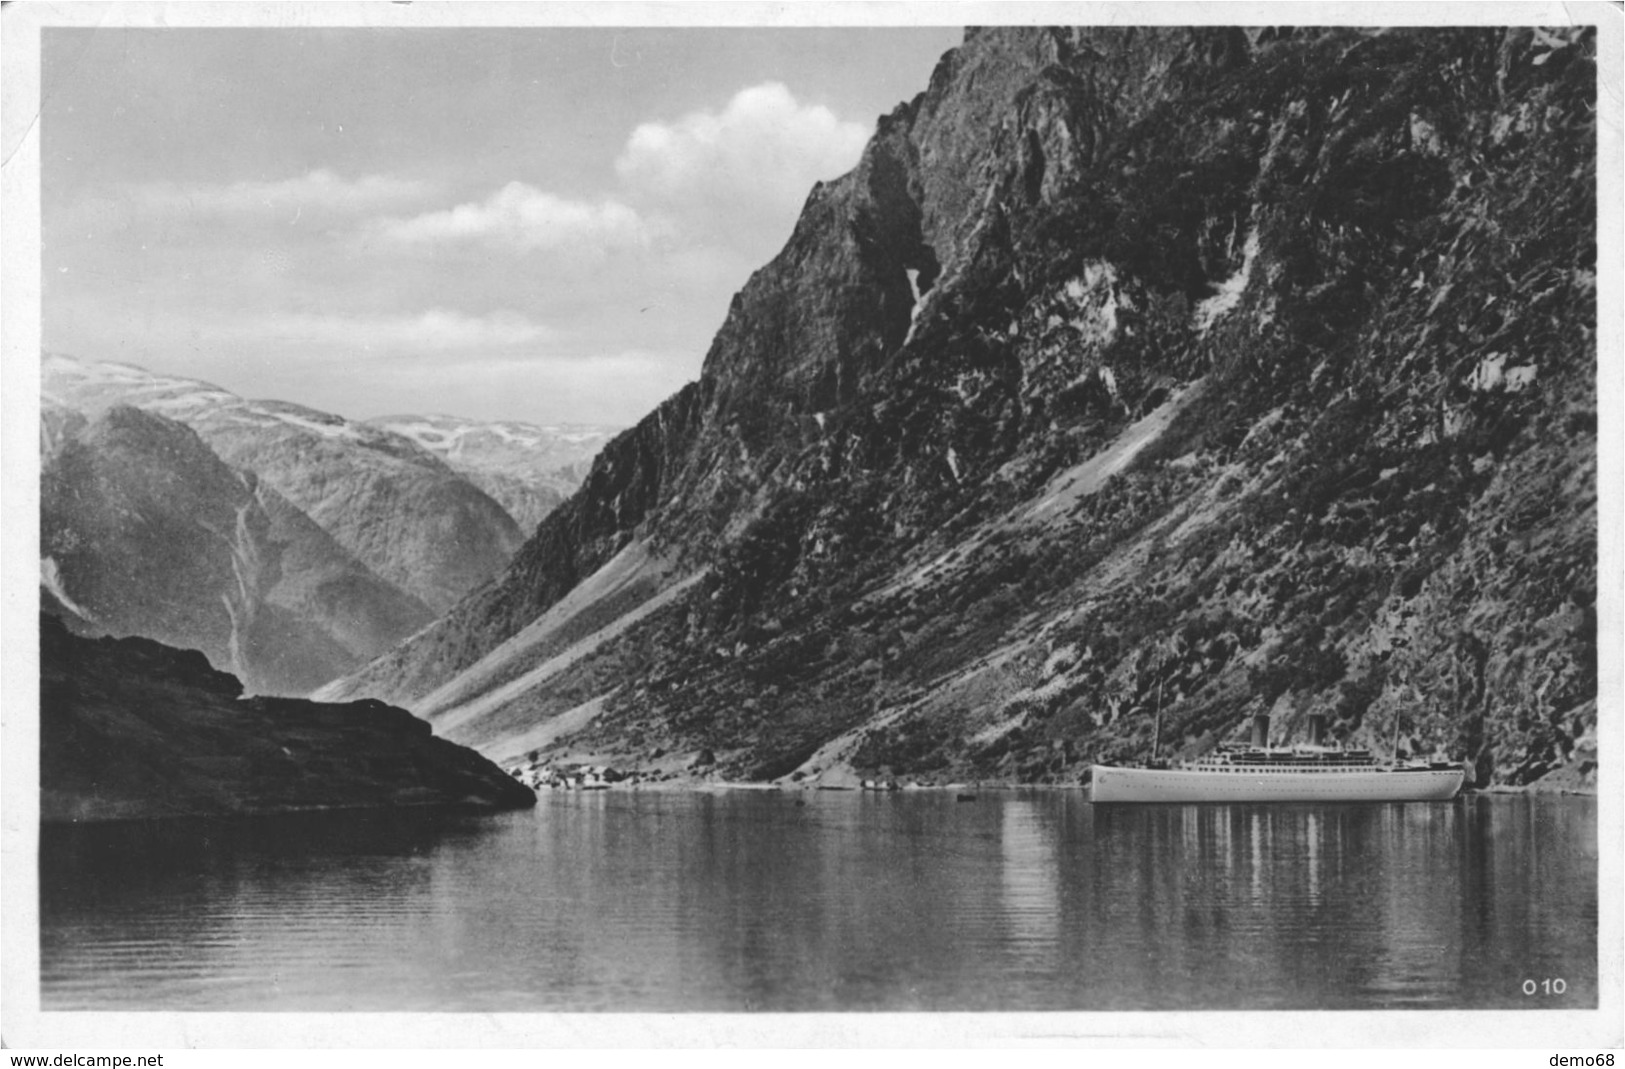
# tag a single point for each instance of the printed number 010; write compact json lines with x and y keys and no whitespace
{"x":1545,"y":987}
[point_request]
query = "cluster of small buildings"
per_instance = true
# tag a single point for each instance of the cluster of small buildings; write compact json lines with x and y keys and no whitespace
{"x":567,"y":777}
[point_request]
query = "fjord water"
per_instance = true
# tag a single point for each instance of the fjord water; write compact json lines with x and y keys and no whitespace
{"x":746,"y":900}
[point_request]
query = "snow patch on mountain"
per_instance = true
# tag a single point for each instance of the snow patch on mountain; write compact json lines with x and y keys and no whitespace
{"x":528,"y":468}
{"x":50,"y":577}
{"x":1230,"y":291}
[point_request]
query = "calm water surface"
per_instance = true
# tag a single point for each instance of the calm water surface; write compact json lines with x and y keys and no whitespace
{"x":751,"y":901}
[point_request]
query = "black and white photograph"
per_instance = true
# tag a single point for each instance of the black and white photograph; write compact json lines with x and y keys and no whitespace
{"x":1081,"y":520}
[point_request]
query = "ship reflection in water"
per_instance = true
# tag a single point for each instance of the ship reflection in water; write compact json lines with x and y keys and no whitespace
{"x":749,"y":901}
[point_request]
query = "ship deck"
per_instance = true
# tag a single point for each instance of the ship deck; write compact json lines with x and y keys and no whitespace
{"x":1284,"y":783}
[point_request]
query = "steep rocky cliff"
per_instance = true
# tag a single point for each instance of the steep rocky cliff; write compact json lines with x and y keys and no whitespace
{"x":145,"y":531}
{"x":396,"y":507}
{"x":130,"y":728}
{"x":1134,"y":381}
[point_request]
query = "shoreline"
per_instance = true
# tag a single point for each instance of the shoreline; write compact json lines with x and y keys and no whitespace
{"x":97,"y":819}
{"x":593,"y":771}
{"x":724,"y":786}
{"x":967,"y":792}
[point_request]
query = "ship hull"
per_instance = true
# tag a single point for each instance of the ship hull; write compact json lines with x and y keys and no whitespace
{"x":1109,"y":784}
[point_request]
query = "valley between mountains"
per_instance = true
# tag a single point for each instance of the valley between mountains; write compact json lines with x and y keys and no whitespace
{"x":1135,"y":381}
{"x":288,"y":545}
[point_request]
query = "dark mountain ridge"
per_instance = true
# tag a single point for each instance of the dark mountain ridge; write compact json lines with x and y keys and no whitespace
{"x":133,"y":729}
{"x":1134,"y":381}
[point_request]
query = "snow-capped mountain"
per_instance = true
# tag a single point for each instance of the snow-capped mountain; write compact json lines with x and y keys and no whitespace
{"x":145,"y":531}
{"x":528,"y":469}
{"x":397,"y":507}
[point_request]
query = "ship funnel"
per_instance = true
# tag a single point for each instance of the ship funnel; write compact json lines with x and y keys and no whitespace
{"x":1317,"y":729}
{"x":1261,"y":730}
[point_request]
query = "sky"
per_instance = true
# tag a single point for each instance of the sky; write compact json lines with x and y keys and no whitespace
{"x":539,"y":224}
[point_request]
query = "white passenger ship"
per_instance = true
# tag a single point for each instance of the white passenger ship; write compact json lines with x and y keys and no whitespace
{"x":1264,"y":773}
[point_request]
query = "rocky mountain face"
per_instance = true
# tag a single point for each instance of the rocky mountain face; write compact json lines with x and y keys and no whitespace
{"x":145,"y":531}
{"x":396,"y":507}
{"x":1136,"y":380}
{"x":527,"y":469}
{"x":130,"y":728}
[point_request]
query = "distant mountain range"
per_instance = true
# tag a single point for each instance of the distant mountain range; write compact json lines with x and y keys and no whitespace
{"x":1136,"y":380}
{"x":146,"y":531}
{"x":287,"y":544}
{"x":528,"y":470}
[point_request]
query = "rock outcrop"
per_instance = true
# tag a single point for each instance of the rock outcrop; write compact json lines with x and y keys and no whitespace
{"x":132,"y":729}
{"x":1133,"y":376}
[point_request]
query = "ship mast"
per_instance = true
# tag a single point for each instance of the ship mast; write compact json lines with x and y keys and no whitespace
{"x":1156,"y":734}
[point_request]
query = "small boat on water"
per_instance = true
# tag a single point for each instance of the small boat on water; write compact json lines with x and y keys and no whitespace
{"x":1262,"y":773}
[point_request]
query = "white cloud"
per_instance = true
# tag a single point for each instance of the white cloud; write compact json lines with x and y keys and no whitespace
{"x":762,"y":152}
{"x":296,"y":335}
{"x":437,"y":330}
{"x":526,"y":218}
{"x":567,"y":385}
{"x":733,"y":178}
{"x":643,"y":269}
{"x":320,"y":189}
{"x":498,"y":366}
{"x":564,"y":385}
